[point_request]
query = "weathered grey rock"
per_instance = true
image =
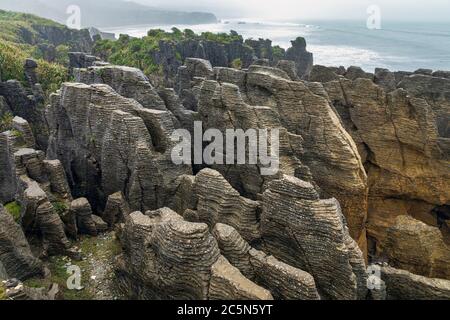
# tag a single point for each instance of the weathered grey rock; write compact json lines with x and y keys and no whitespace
{"x":228,"y":283}
{"x":185,"y":80}
{"x":30,"y":71}
{"x":310,"y":234}
{"x":166,"y":257}
{"x":8,"y":182}
{"x":385,"y":79}
{"x":108,"y":143}
{"x":83,"y":212}
{"x":421,"y":249}
{"x":100,"y":225}
{"x":116,"y":209}
{"x":441,"y":74}
{"x":302,"y":58}
{"x":310,"y":130}
{"x":23,"y":129}
{"x":326,"y":148}
{"x":233,"y":247}
{"x":39,"y":212}
{"x":221,"y":108}
{"x":436,"y":92}
{"x":403,"y":285}
{"x":16,"y":258}
{"x":126,"y":81}
{"x":322,"y":74}
{"x":354,"y":73}
{"x":185,"y":118}
{"x":185,"y":197}
{"x":69,"y":218}
{"x":218,"y":202}
{"x":82,"y":60}
{"x":284,"y":281}
{"x":262,"y":62}
{"x":57,"y":178}
{"x":426,"y":72}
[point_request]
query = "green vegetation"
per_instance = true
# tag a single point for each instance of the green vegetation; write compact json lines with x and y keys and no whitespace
{"x":14,"y":209}
{"x":98,"y":249}
{"x":137,"y":52}
{"x":60,"y":207}
{"x":6,"y":122}
{"x":2,"y":292}
{"x":19,"y":39}
{"x":59,"y":275}
{"x":237,"y":64}
{"x":278,"y":53}
{"x":17,"y":133}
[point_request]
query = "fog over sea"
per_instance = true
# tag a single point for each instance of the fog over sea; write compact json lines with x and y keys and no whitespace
{"x":397,"y":46}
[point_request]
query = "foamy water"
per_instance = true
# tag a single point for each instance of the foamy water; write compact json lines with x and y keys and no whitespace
{"x":398,"y":46}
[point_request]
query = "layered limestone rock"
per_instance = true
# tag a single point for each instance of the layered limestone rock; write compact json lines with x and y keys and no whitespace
{"x":27,"y":103}
{"x":116,"y":209}
{"x":126,"y":81}
{"x":185,"y":197}
{"x":290,"y":68}
{"x":403,"y":285}
{"x":39,"y":184}
{"x":218,"y":202}
{"x":82,"y":60}
{"x":308,"y":233}
{"x":16,"y":258}
{"x":233,"y":247}
{"x":39,"y":214}
{"x":188,"y":76}
{"x":8,"y":181}
{"x":81,"y":209}
{"x":310,"y":132}
{"x":24,"y":132}
{"x":222,"y":108}
{"x":166,"y":257}
{"x":324,"y":74}
{"x":435,"y":90}
{"x":402,"y":138}
{"x":414,"y":246}
{"x":228,"y":283}
{"x":283,"y":281}
{"x":108,"y":143}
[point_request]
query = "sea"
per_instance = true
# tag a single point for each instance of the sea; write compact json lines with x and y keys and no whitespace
{"x":404,"y":46}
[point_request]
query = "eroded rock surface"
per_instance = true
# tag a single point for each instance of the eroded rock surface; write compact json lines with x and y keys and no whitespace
{"x":108,"y":143}
{"x":308,"y":233}
{"x":15,"y":254}
{"x":403,"y":285}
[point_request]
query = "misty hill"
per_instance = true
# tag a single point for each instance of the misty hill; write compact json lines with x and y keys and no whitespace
{"x":107,"y":13}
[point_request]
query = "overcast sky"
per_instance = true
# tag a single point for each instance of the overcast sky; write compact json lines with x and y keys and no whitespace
{"x":418,"y":10}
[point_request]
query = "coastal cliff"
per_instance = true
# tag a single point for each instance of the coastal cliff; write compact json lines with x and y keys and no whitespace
{"x":363,"y":179}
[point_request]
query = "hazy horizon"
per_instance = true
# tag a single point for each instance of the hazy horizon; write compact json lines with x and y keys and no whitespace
{"x":400,"y":10}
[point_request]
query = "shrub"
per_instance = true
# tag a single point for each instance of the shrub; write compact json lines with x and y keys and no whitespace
{"x":12,"y":60}
{"x":59,"y":207}
{"x":14,"y":209}
{"x":6,"y":122}
{"x":236,"y":64}
{"x":51,"y":76}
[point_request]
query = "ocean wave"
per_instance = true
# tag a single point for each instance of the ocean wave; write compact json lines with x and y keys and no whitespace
{"x":347,"y":56}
